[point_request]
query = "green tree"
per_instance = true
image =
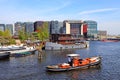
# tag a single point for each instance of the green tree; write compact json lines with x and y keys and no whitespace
{"x":7,"y":34}
{"x":12,"y":41}
{"x":1,"y":33}
{"x":6,"y":37}
{"x":43,"y":33}
{"x":32,"y":37}
{"x":22,"y":35}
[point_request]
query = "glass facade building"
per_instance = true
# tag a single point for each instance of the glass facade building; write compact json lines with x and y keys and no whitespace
{"x":9,"y":27}
{"x":18,"y":26}
{"x":55,"y":27}
{"x":79,"y":28}
{"x":29,"y":27}
{"x":2,"y":27}
{"x":91,"y":29}
{"x":75,"y":28}
{"x":37,"y":24}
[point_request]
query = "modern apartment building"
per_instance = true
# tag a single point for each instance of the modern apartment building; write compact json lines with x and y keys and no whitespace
{"x":29,"y":27}
{"x":74,"y":27}
{"x":2,"y":27}
{"x":91,"y":28}
{"x":9,"y":27}
{"x":55,"y":27}
{"x":18,"y":26}
{"x":38,"y":24}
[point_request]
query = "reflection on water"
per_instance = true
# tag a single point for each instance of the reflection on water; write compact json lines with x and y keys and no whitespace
{"x":32,"y":68}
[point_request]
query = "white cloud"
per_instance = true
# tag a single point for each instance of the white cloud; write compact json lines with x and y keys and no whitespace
{"x":97,"y":11}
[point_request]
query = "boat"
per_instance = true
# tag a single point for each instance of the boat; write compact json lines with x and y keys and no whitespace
{"x":4,"y":55}
{"x":109,"y":40}
{"x":22,"y":52}
{"x":11,"y":48}
{"x":76,"y":63}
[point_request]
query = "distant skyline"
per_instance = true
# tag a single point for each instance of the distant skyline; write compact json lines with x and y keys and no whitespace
{"x":105,"y":12}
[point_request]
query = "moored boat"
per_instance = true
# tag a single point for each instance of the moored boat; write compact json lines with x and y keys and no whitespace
{"x":4,"y":55}
{"x":11,"y":48}
{"x":109,"y":40}
{"x":26,"y":51}
{"x":76,"y":63}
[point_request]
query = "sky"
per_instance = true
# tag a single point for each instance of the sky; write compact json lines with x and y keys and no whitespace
{"x":105,"y":12}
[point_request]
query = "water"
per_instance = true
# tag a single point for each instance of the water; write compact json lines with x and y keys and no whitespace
{"x":32,"y":68}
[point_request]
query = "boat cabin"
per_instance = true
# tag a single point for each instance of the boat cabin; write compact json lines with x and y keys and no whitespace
{"x":73,"y":59}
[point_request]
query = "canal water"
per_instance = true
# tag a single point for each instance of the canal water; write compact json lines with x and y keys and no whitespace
{"x":32,"y":68}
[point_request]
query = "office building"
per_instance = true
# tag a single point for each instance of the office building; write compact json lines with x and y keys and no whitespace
{"x":74,"y":27}
{"x":18,"y":27}
{"x":2,"y":27}
{"x":91,"y":29}
{"x":29,"y":27}
{"x":9,"y":27}
{"x":55,"y":27}
{"x":38,"y":24}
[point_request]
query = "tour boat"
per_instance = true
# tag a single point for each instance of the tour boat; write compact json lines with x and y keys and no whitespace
{"x":77,"y":63}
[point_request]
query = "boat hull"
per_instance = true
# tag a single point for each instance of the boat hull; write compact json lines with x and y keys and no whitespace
{"x":67,"y":69}
{"x":21,"y":53}
{"x":5,"y":55}
{"x":53,"y":69}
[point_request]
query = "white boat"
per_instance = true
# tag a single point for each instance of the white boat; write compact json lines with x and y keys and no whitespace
{"x":4,"y":55}
{"x":11,"y":47}
{"x":23,"y":50}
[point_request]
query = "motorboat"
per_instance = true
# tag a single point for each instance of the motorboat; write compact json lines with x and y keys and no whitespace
{"x":18,"y":50}
{"x":11,"y":48}
{"x":4,"y":55}
{"x":23,"y":52}
{"x":76,"y":63}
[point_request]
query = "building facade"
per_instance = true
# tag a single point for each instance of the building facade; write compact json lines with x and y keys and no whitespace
{"x":18,"y":26}
{"x":74,"y":27}
{"x":38,"y":24}
{"x":29,"y":27}
{"x":91,"y":29}
{"x":55,"y":27}
{"x":9,"y":27}
{"x":85,"y":30}
{"x":2,"y":27}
